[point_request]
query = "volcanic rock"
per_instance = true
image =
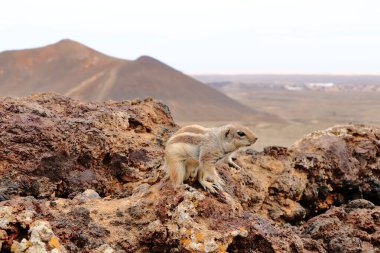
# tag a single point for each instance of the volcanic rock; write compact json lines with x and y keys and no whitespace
{"x":56,"y":146}
{"x":319,"y":195}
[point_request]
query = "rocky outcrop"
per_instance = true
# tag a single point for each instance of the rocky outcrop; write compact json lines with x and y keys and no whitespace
{"x":341,"y":163}
{"x":90,"y":176}
{"x":55,"y":146}
{"x":325,"y":168}
{"x":354,"y":227}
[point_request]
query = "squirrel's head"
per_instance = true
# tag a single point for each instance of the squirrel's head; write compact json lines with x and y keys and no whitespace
{"x":239,"y":135}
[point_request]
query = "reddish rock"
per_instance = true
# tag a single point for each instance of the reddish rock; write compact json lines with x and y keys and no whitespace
{"x":320,"y":195}
{"x":342,"y":163}
{"x":56,"y":146}
{"x":351,"y":228}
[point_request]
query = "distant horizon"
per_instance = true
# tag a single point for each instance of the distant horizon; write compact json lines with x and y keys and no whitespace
{"x":282,"y":73}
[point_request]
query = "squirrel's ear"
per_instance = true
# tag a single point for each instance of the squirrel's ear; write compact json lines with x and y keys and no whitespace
{"x":227,"y":133}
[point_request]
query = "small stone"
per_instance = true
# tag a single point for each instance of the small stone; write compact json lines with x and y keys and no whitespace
{"x":6,"y":217}
{"x":3,"y":235}
{"x":87,"y":195}
{"x":40,"y":230}
{"x":141,"y":189}
{"x":243,"y":232}
{"x":105,"y":248}
{"x":360,"y":203}
{"x":37,"y":248}
{"x":42,"y":238}
{"x":3,"y":197}
{"x":20,"y":246}
{"x":26,"y":218}
{"x":235,"y":233}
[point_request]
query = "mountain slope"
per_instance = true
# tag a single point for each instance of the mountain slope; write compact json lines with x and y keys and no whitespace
{"x":72,"y":69}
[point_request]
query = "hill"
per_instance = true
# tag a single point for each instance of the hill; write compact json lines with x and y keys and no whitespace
{"x":72,"y":69}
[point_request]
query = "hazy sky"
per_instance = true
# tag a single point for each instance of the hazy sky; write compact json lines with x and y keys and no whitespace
{"x":207,"y":36}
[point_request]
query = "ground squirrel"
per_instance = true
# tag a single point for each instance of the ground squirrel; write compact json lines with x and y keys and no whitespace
{"x":197,"y":129}
{"x":193,"y":151}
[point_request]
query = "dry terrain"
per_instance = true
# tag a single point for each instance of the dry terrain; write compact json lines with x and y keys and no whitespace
{"x":306,"y":103}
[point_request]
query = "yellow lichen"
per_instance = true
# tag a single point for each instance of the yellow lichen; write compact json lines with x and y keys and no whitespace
{"x":14,"y":247}
{"x":185,"y":242}
{"x":54,"y":243}
{"x":188,"y":232}
{"x":243,"y":232}
{"x":199,"y":236}
{"x":222,"y":249}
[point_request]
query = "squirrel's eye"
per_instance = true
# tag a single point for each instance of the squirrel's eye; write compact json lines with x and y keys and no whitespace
{"x":241,"y":133}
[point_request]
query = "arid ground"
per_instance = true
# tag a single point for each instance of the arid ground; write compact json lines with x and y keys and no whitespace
{"x":303,"y":108}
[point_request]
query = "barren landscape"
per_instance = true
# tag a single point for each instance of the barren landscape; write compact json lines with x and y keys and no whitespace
{"x":303,"y":102}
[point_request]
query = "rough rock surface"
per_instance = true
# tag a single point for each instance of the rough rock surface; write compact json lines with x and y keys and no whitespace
{"x":53,"y":145}
{"x":352,"y":228}
{"x":324,"y":168}
{"x":90,"y":176}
